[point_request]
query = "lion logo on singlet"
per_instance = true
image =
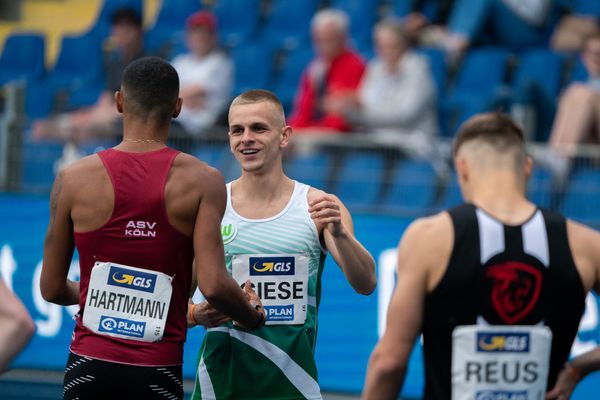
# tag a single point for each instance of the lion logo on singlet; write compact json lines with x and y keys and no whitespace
{"x":516,"y":288}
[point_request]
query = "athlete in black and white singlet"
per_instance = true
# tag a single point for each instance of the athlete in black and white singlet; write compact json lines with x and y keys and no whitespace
{"x":524,"y":276}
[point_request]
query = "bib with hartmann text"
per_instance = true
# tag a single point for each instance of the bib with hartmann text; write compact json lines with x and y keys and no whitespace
{"x":127,"y":302}
{"x":500,"y":362}
{"x":281,"y":282}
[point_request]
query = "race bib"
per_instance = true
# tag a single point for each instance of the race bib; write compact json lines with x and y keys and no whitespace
{"x":500,"y":362}
{"x":127,"y":302}
{"x":281,"y":282}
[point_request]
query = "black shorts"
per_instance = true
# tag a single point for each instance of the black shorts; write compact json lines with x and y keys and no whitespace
{"x":89,"y":379}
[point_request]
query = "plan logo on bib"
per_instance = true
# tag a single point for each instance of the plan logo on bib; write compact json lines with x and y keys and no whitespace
{"x":515,"y":289}
{"x":122,"y":326}
{"x":501,"y":395}
{"x":131,"y":279}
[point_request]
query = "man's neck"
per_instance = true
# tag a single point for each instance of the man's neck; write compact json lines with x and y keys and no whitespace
{"x":503,"y":197}
{"x":142,"y":133}
{"x":257,"y":196}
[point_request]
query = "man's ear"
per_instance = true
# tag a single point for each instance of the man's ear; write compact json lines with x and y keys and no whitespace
{"x":178,"y":107}
{"x":462,"y":169}
{"x":528,"y":167}
{"x":286,"y":135}
{"x":119,"y":101}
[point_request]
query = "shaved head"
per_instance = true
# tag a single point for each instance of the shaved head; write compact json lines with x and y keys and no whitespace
{"x":261,"y":96}
{"x":491,"y":141}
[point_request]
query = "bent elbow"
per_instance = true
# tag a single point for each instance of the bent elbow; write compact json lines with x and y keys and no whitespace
{"x":388,"y":365}
{"x":367,"y":286}
{"x":50,"y":293}
{"x":26,"y":326}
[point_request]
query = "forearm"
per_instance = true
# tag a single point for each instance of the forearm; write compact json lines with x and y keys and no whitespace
{"x":226,"y":296}
{"x":384,"y":377}
{"x":66,"y":295}
{"x":356,"y":262}
{"x":14,"y":335}
{"x":587,"y":362}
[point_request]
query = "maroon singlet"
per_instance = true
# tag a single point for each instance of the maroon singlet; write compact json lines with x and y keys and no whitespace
{"x":138,"y":234}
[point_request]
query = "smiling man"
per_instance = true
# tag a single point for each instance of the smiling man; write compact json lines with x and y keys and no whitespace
{"x":276,"y":232}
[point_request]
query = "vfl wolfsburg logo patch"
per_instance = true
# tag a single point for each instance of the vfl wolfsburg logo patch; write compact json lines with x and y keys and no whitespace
{"x":228,"y":232}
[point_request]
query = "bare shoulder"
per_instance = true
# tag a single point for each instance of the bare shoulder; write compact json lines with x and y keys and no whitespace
{"x":189,"y":168}
{"x":84,"y":171}
{"x":583,"y":241}
{"x":435,"y":228}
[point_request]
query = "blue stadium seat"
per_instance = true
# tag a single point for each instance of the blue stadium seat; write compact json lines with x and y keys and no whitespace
{"x":586,"y":7}
{"x":254,"y":65}
{"x":288,"y":23}
{"x":539,"y":188}
{"x":537,"y":82}
{"x":238,"y":20}
{"x":360,"y":179}
{"x":173,"y":13}
{"x":363,"y":15}
{"x":101,"y":27}
{"x":583,"y":196}
{"x":22,"y":58}
{"x":288,"y":76}
{"x":80,"y":82}
{"x":311,"y":169}
{"x":453,"y":195}
{"x":478,"y":87}
{"x":438,"y":67}
{"x":578,"y":72}
{"x":38,"y":164}
{"x":212,"y":154}
{"x":413,"y":186}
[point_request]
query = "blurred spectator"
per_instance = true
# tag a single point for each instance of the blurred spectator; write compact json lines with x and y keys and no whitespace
{"x":205,"y":74}
{"x":514,"y":24}
{"x":428,"y":28}
{"x":330,"y":79}
{"x":397,"y":95}
{"x":124,"y":45}
{"x":578,"y":116}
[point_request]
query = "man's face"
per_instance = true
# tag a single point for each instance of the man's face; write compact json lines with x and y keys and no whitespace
{"x":328,"y":41}
{"x":256,"y":135}
{"x":126,"y":37}
{"x":389,"y":46}
{"x":200,"y":40}
{"x":591,"y":57}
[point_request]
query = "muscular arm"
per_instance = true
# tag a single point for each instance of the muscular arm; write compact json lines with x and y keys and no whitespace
{"x":58,"y":248}
{"x":331,"y":215}
{"x":16,"y":326}
{"x":219,"y":289}
{"x":423,"y":249}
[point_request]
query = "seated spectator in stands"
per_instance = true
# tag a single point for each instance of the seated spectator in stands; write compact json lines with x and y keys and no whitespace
{"x":329,"y":79}
{"x":514,"y":24}
{"x":428,"y":28}
{"x":205,"y":74}
{"x":578,"y":117}
{"x":124,"y":45}
{"x":397,"y":95}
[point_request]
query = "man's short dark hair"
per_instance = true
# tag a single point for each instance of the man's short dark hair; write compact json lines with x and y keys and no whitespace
{"x":126,"y":16}
{"x":495,"y":128}
{"x":151,"y":88}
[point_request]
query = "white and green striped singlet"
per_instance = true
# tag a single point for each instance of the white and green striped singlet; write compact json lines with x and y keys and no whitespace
{"x":283,"y":257}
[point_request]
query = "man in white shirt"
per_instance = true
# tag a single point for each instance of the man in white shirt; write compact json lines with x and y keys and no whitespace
{"x":205,"y":73}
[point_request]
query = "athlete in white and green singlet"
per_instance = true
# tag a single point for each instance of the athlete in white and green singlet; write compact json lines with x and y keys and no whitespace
{"x":276,"y":232}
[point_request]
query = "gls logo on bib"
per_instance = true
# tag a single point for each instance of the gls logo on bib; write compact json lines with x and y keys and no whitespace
{"x":272,"y":266}
{"x":507,"y":342}
{"x":131,"y":279}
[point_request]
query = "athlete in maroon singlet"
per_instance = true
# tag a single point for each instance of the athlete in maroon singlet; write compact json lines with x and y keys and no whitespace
{"x":138,"y":214}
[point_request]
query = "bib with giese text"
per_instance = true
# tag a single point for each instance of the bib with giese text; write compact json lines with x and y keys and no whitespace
{"x":281,"y":282}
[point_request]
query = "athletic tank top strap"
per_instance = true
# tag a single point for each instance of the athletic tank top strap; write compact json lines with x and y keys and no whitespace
{"x":138,"y":177}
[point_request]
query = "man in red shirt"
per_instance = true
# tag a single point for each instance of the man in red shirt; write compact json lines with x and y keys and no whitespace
{"x":329,"y":79}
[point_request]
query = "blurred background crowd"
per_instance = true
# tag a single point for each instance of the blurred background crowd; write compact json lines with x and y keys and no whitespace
{"x":375,"y":89}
